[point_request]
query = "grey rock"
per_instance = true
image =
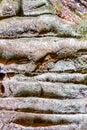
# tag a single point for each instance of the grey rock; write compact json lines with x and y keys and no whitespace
{"x":35,"y":49}
{"x":9,"y":8}
{"x":70,"y":121}
{"x":41,"y":105}
{"x":62,"y":77}
{"x":43,"y":65}
{"x":43,"y":25}
{"x":78,"y":64}
{"x":82,"y":28}
{"x":44,"y":89}
{"x":34,"y":8}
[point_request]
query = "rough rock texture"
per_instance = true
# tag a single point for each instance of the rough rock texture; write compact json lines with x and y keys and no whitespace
{"x":43,"y":65}
{"x":43,"y":25}
{"x":37,"y":7}
{"x":72,"y":10}
{"x":9,"y":8}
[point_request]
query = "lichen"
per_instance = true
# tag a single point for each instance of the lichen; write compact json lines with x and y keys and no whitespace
{"x":82,"y":28}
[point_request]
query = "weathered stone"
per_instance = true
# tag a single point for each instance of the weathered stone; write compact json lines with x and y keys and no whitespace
{"x":44,"y":25}
{"x":25,"y":121}
{"x":55,"y":77}
{"x":18,"y":68}
{"x":43,"y":89}
{"x":9,"y":8}
{"x":70,"y":10}
{"x":56,"y":119}
{"x":82,"y":28}
{"x":43,"y":78}
{"x":78,"y":64}
{"x":67,"y":65}
{"x":21,"y":89}
{"x":41,"y":105}
{"x":37,"y":49}
{"x":34,"y":8}
{"x":20,"y":120}
{"x":55,"y":127}
{"x":63,"y":77}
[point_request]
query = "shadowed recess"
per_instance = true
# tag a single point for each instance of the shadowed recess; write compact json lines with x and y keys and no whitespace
{"x":2,"y":75}
{"x":37,"y":122}
{"x":1,"y":88}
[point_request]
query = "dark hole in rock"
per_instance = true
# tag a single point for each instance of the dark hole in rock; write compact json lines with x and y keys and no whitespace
{"x":11,"y":74}
{"x":2,"y":75}
{"x":1,"y":88}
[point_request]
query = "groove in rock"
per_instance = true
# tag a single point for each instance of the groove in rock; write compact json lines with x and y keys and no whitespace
{"x":38,"y":122}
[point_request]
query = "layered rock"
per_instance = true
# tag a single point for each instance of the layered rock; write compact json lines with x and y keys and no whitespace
{"x":43,"y":65}
{"x":70,"y":10}
{"x":44,"y":25}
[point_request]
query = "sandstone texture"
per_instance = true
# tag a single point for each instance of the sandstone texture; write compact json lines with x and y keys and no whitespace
{"x":43,"y":65}
{"x":9,"y":8}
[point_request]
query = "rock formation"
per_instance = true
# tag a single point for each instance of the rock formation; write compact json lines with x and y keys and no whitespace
{"x":43,"y":65}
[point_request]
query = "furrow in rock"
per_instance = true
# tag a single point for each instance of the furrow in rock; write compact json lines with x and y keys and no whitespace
{"x":41,"y":121}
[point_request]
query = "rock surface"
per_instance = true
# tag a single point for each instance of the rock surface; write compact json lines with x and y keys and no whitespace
{"x":9,"y":8}
{"x":71,"y":10}
{"x":43,"y":25}
{"x":34,"y":8}
{"x":43,"y":65}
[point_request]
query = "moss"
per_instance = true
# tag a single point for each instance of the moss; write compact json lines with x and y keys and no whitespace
{"x":50,"y":9}
{"x":57,"y":6}
{"x":80,"y":61}
{"x":84,"y":80}
{"x":0,"y":0}
{"x":84,"y":14}
{"x":82,"y":28}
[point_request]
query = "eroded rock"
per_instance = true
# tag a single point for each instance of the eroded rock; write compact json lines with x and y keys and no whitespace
{"x":43,"y":65}
{"x":40,"y":105}
{"x":73,"y":11}
{"x":44,"y":25}
{"x":17,"y":88}
{"x":41,"y":121}
{"x":9,"y":8}
{"x":34,"y":8}
{"x":34,"y":50}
